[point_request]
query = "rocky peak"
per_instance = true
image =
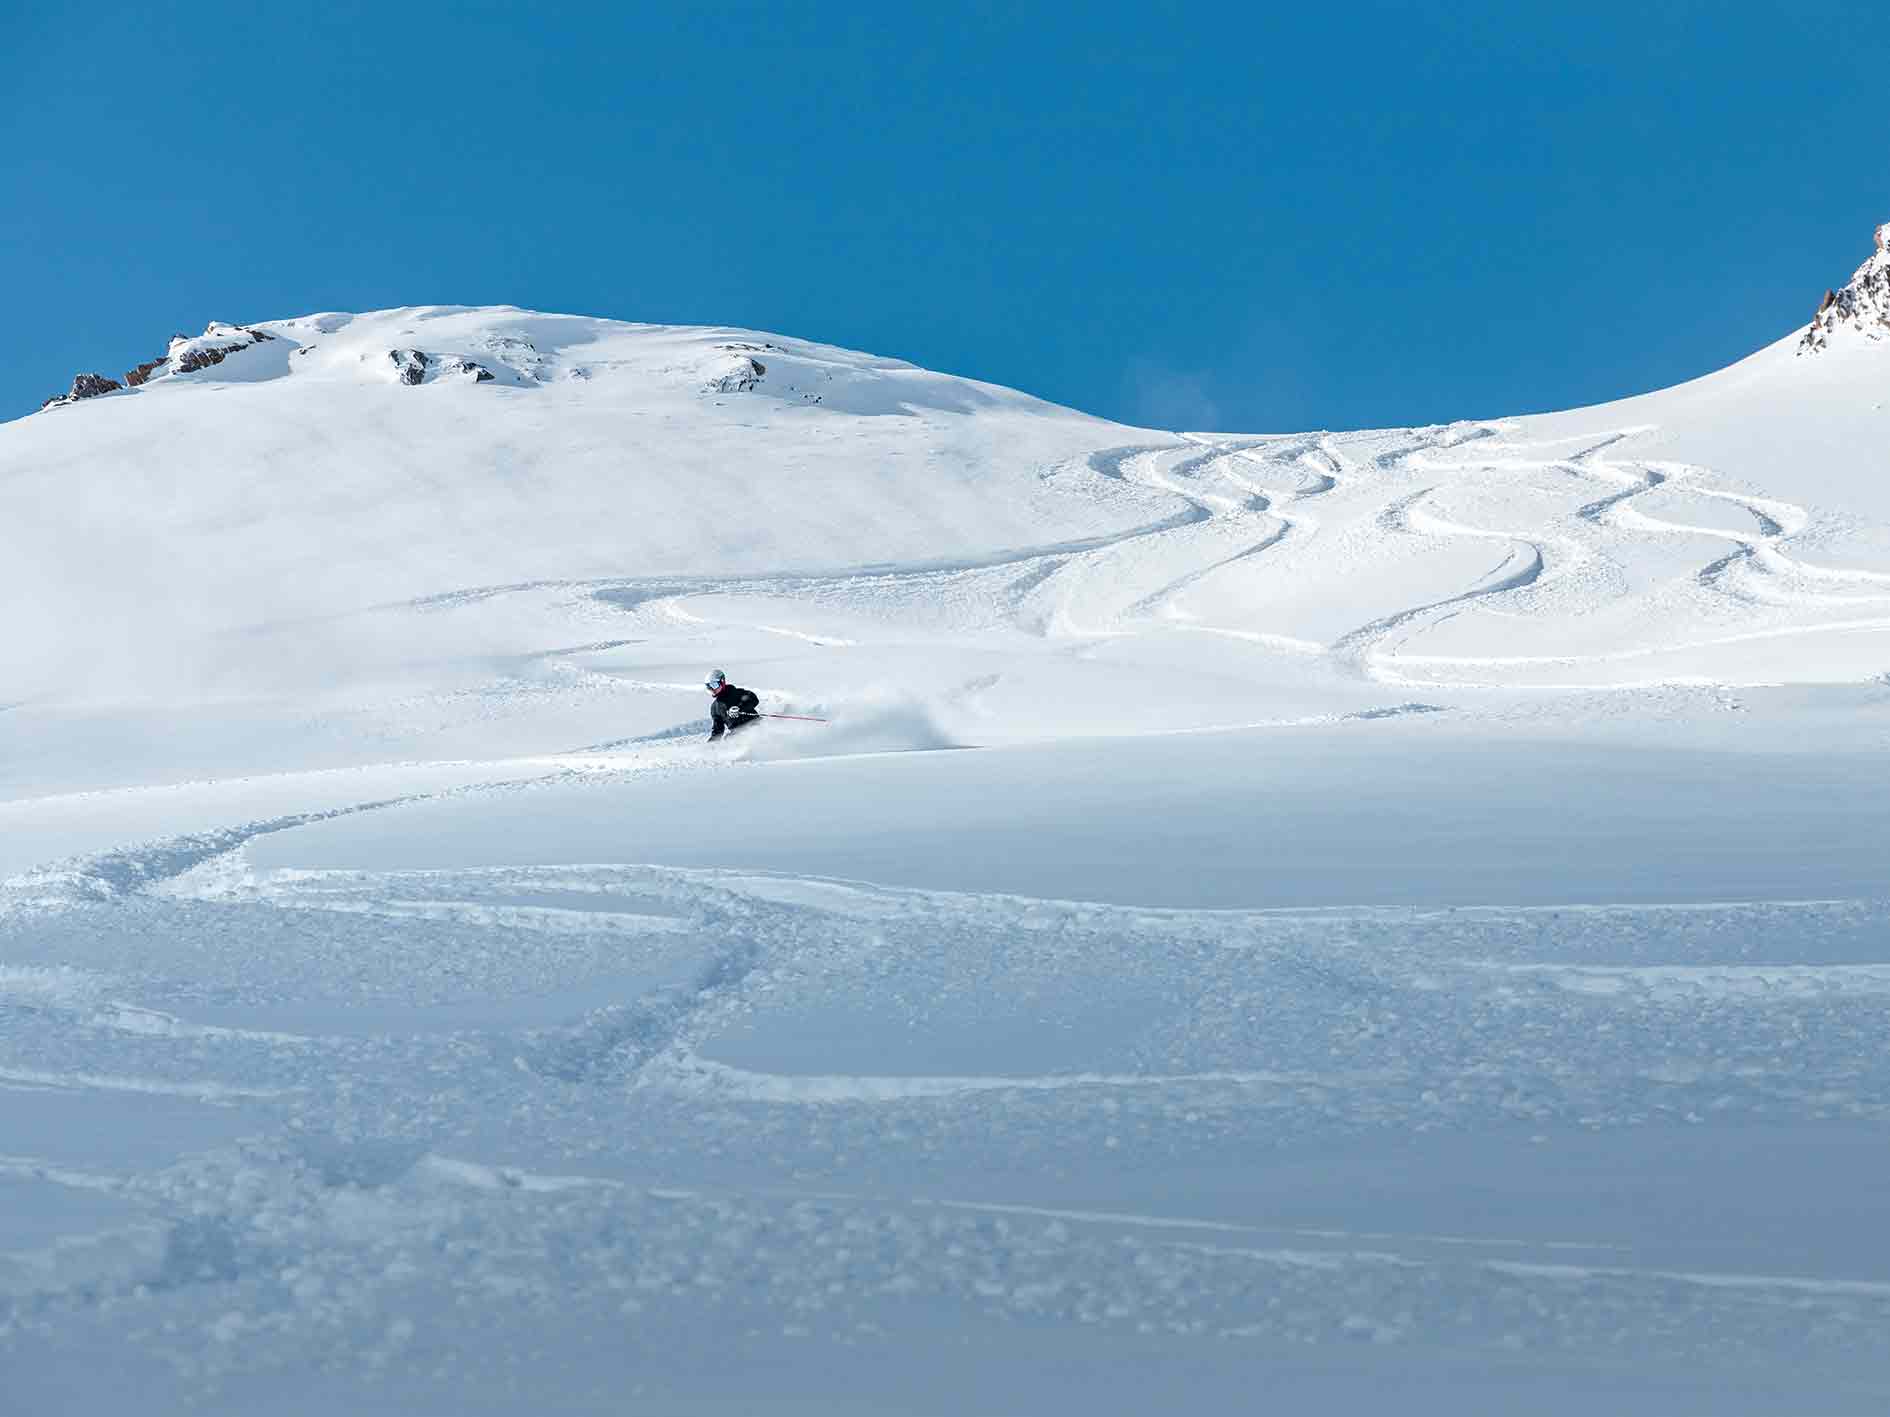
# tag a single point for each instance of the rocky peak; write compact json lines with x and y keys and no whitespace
{"x":1862,"y":305}
{"x":84,"y":386}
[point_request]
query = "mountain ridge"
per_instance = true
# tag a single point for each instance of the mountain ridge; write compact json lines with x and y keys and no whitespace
{"x":1861,"y":305}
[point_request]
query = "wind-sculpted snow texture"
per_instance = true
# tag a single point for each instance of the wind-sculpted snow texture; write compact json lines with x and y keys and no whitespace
{"x":464,"y":1115}
{"x":1347,"y":921}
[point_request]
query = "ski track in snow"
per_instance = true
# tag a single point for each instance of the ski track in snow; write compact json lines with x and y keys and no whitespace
{"x":1263,"y":523}
{"x":380,"y":1169}
{"x":632,"y":1106}
{"x":361,"y":1147}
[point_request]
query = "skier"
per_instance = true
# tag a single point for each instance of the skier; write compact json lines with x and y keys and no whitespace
{"x":730,"y":707}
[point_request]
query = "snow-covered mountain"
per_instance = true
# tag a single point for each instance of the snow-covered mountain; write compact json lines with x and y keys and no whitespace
{"x":334,"y":463}
{"x":1280,"y":911}
{"x":1733,"y":528}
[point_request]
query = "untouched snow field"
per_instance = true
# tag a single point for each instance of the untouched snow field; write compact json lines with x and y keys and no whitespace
{"x":1347,"y":922}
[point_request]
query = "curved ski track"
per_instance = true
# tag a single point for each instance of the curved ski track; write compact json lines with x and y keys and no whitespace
{"x":1259,"y":515}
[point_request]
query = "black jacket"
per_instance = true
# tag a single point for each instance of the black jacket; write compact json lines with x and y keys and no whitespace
{"x":731,"y":708}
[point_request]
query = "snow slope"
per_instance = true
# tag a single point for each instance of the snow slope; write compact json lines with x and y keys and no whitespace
{"x":1390,"y":919}
{"x":302,"y":479}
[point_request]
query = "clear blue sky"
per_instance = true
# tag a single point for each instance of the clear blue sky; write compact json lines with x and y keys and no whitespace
{"x":1240,"y":215}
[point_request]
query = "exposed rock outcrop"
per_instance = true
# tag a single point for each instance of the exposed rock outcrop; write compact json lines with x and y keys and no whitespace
{"x":191,"y":360}
{"x":189,"y":353}
{"x":186,"y":355}
{"x":410,"y":364}
{"x":84,"y":386}
{"x":416,"y":366}
{"x":742,"y":374}
{"x":216,"y":344}
{"x":1863,"y":305}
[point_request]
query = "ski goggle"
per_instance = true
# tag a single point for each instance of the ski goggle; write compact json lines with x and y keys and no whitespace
{"x":714,"y":683}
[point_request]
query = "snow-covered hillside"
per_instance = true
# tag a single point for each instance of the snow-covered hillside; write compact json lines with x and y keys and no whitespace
{"x":1275,"y":912}
{"x":303,"y":477}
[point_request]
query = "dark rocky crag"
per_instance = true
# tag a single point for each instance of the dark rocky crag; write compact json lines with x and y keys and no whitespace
{"x":410,"y":364}
{"x":84,"y":386}
{"x":203,"y":356}
{"x":1863,"y":305}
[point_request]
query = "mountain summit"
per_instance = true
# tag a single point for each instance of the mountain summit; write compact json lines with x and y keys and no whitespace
{"x":1863,"y":304}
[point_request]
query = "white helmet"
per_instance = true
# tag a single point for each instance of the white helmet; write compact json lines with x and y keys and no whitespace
{"x":715,"y":681}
